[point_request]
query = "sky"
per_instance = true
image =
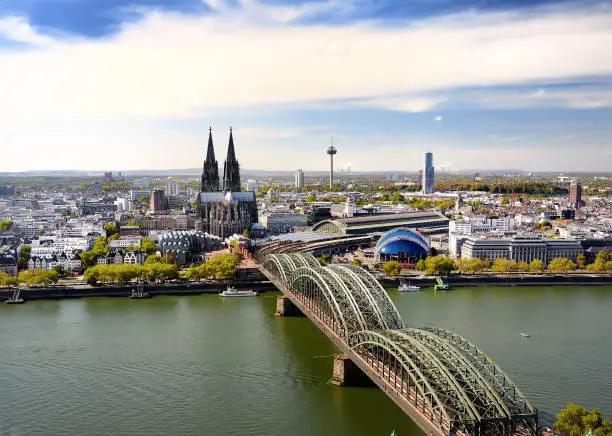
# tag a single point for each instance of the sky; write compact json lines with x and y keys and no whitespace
{"x":135,"y":84}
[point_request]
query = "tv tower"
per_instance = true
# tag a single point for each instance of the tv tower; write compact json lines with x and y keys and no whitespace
{"x":331,"y":151}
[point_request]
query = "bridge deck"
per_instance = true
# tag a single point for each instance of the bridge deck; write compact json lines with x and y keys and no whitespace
{"x":389,"y":385}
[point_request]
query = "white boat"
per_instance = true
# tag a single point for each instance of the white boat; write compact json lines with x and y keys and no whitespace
{"x":403,"y":287}
{"x":525,"y":335}
{"x":233,"y":292}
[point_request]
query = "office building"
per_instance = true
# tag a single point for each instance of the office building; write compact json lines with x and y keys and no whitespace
{"x":575,"y":194}
{"x":428,"y":174}
{"x":157,"y":200}
{"x":299,"y":178}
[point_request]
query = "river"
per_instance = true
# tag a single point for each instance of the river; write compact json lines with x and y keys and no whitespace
{"x":202,"y":365}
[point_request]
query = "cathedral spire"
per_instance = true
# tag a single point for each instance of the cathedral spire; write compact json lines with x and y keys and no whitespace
{"x":231,"y":168}
{"x":210,"y":174}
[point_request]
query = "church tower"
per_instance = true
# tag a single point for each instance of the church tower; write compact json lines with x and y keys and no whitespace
{"x":231,"y":169}
{"x":210,"y":174}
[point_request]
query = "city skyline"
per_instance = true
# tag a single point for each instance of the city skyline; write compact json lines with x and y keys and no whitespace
{"x":135,"y":84}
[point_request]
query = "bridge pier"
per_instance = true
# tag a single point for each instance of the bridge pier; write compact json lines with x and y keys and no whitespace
{"x":285,"y":307}
{"x":347,"y":373}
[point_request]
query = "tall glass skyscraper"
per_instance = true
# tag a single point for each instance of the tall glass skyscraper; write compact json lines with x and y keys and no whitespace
{"x":428,"y":174}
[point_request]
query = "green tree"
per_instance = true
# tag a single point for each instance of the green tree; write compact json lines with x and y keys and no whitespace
{"x":486,"y":264}
{"x":38,"y":277}
{"x":561,"y":264}
{"x":420,"y":265}
{"x":356,"y":262}
{"x":603,"y":262}
{"x":6,"y":225}
{"x":111,"y":229}
{"x":311,"y":198}
{"x":474,"y":266}
{"x":24,"y":257}
{"x":148,"y":245}
{"x":60,"y":270}
{"x":88,"y":259}
{"x":396,"y":197}
{"x":504,"y":265}
{"x":133,"y":223}
{"x":536,"y":265}
{"x":326,"y":259}
{"x":392,"y":268}
{"x":575,"y":420}
{"x":101,"y":246}
{"x":523,"y":266}
{"x":505,"y":201}
{"x":438,"y":265}
{"x":7,"y":281}
{"x":581,"y":260}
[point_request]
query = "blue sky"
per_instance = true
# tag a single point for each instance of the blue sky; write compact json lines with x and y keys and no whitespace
{"x":119,"y":84}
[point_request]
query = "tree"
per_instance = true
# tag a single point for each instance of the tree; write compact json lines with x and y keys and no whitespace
{"x":24,"y":257}
{"x":603,"y":262}
{"x":311,"y":198}
{"x":536,"y":265}
{"x":88,"y":259}
{"x":148,"y":245}
{"x":581,"y":260}
{"x":397,"y":197}
{"x":486,"y":264}
{"x":7,"y":281}
{"x":356,"y":262}
{"x":505,"y":201}
{"x":523,"y":266}
{"x":561,"y":264}
{"x":38,"y":277}
{"x":438,"y":265}
{"x":111,"y":229}
{"x":59,"y":269}
{"x":504,"y":265}
{"x":326,"y":258}
{"x":101,"y":246}
{"x":392,"y":268}
{"x":420,"y":265}
{"x":6,"y":225}
{"x":575,"y":420}
{"x":133,"y":223}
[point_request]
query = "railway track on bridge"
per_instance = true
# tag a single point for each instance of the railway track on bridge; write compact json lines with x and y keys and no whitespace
{"x":442,"y":381}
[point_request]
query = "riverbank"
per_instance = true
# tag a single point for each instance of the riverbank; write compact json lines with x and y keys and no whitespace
{"x":511,"y":280}
{"x":254,"y":280}
{"x":180,"y":288}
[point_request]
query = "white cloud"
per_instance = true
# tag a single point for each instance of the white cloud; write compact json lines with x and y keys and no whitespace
{"x":169,"y":65}
{"x":18,"y":29}
{"x":438,"y":118}
{"x":172,"y":65}
{"x":409,"y":103}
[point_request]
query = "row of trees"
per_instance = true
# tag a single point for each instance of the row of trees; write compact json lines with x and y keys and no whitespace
{"x":36,"y":277}
{"x":218,"y":267}
{"x":6,"y":225}
{"x":442,"y":265}
{"x":123,"y":273}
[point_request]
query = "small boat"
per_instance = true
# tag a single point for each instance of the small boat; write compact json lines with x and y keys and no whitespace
{"x":16,"y":298}
{"x":441,"y":286}
{"x":139,"y":293}
{"x":403,"y":287}
{"x":525,"y":335}
{"x":233,"y":292}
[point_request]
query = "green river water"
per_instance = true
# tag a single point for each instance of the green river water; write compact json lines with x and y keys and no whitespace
{"x":203,"y":365}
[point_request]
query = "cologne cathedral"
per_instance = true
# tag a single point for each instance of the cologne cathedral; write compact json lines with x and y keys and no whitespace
{"x":224,"y":209}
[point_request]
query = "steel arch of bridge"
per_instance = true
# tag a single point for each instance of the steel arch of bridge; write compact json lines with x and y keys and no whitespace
{"x":444,"y":376}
